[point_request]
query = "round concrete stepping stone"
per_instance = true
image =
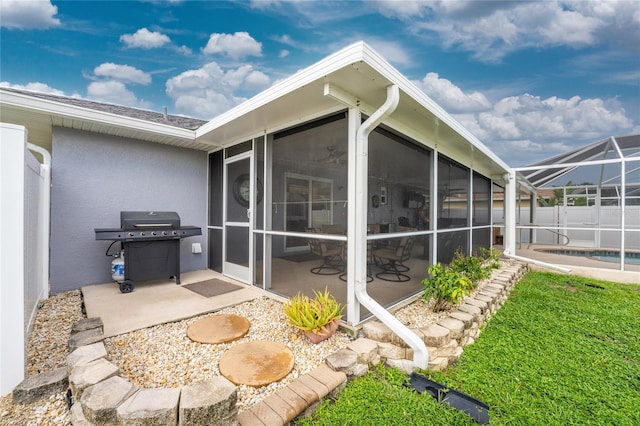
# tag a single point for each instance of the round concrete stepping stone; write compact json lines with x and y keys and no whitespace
{"x":256,"y":363}
{"x":218,"y":329}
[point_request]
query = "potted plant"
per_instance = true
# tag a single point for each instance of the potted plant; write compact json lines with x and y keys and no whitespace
{"x":318,"y":318}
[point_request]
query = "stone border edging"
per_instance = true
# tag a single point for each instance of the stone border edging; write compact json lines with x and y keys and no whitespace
{"x":102,"y":397}
{"x":445,"y":340}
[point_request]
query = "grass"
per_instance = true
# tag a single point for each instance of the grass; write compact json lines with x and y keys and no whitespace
{"x":561,"y":351}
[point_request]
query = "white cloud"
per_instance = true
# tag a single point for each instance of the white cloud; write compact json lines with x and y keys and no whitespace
{"x":391,"y":51}
{"x":492,"y":30}
{"x":451,"y":97}
{"x":401,"y":9}
{"x":515,"y":27}
{"x":27,"y":15}
{"x":283,"y":53}
{"x":210,"y":90}
{"x":114,"y":92}
{"x":35,"y":86}
{"x":145,"y":39}
{"x":236,"y":46}
{"x":184,"y":50}
{"x":526,"y":127}
{"x":620,"y":21}
{"x":123,"y":73}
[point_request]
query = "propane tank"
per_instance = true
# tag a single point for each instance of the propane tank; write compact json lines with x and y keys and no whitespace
{"x":117,"y":267}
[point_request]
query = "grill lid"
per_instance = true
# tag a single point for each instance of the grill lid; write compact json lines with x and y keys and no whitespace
{"x":149,"y":219}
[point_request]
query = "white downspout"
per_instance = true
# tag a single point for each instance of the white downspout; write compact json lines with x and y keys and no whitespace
{"x":45,"y":216}
{"x":420,"y":354}
{"x":509,"y":239}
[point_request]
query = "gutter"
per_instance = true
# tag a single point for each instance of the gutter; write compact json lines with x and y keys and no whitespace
{"x":420,"y":354}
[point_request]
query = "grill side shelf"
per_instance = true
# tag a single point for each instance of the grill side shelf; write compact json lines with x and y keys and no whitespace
{"x":115,"y":234}
{"x":119,"y":234}
{"x":190,"y":231}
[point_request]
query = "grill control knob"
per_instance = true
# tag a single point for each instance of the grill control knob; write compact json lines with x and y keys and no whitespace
{"x":174,"y":232}
{"x":142,"y":234}
{"x":164,"y":232}
{"x":131,"y":234}
{"x":154,"y":233}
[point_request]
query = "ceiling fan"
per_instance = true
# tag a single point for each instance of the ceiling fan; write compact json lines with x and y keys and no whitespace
{"x":333,"y":158}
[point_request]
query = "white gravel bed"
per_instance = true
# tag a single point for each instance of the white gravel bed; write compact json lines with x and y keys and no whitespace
{"x":419,"y":314}
{"x":46,"y":350}
{"x":163,"y":356}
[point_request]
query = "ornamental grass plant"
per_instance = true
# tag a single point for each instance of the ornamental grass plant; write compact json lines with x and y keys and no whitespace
{"x":314,"y":314}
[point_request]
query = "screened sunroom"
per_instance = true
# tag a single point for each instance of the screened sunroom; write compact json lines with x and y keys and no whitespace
{"x":345,"y":176}
{"x":582,"y":208}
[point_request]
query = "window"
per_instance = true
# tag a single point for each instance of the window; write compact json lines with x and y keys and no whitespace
{"x":453,"y":194}
{"x":309,"y":179}
{"x":308,"y":204}
{"x":399,"y":182}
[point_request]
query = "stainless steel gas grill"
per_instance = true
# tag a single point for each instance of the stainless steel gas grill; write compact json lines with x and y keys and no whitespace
{"x":151,"y":244}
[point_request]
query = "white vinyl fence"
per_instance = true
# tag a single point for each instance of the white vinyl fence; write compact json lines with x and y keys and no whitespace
{"x":24,"y":248}
{"x":584,"y":226}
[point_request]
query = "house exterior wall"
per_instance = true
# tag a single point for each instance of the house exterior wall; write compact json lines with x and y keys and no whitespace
{"x":96,"y":176}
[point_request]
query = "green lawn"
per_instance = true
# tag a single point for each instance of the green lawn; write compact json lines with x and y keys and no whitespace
{"x":561,"y":351}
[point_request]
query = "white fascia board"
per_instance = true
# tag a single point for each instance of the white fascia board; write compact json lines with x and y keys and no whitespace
{"x":23,"y":101}
{"x":340,"y":59}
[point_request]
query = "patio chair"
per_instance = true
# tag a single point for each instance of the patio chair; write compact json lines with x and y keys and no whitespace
{"x":330,"y":252}
{"x":333,"y":229}
{"x":391,"y":261}
{"x":343,"y":275}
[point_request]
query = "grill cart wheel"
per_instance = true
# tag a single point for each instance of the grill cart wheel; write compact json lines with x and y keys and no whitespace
{"x":126,"y":286}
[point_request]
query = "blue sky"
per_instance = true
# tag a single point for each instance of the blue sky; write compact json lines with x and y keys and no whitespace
{"x":529,"y":79}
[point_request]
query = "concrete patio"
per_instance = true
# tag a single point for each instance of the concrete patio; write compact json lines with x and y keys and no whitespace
{"x":156,"y":302}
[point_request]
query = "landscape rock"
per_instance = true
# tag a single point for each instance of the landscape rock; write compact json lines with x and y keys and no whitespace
{"x":391,"y":351}
{"x":465,"y":317}
{"x":77,"y":416}
{"x":90,"y":374}
{"x":364,"y":348}
{"x":454,"y":325}
{"x":86,"y":354}
{"x":209,"y":402}
{"x":100,"y":401}
{"x":87,"y":324}
{"x":343,"y":360}
{"x":436,"y":335}
{"x":150,"y":407}
{"x":86,"y":337}
{"x":376,"y":330}
{"x":401,"y":364}
{"x":41,"y":386}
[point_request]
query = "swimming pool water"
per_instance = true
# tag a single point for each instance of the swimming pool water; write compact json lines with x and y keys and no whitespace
{"x":612,"y":256}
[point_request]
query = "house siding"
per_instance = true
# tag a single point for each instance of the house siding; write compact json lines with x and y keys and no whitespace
{"x":95,"y":176}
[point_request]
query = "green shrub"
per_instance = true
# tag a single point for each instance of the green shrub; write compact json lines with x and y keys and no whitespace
{"x":471,"y":267}
{"x":447,"y":287}
{"x":492,"y":257}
